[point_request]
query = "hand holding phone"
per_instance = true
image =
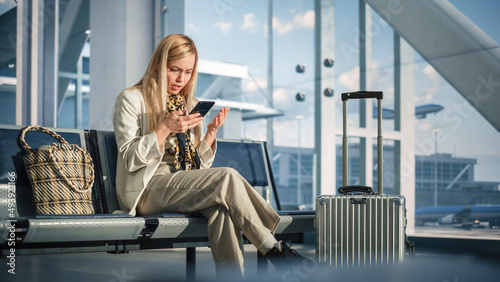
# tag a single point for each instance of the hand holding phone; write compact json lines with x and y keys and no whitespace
{"x":202,"y":107}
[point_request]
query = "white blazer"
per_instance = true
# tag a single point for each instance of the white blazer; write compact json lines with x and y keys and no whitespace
{"x":139,"y":154}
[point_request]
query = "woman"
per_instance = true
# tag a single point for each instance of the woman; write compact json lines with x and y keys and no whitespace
{"x":164,"y":159}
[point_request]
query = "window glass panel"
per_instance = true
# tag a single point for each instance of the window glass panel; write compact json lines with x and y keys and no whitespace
{"x":346,"y":58}
{"x":239,"y":32}
{"x":456,"y":146}
{"x":8,"y":63}
{"x":353,"y":161}
{"x":381,"y":70}
{"x":74,"y":59}
{"x":388,"y":167}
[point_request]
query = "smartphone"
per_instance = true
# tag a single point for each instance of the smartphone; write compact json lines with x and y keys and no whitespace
{"x":202,"y":107}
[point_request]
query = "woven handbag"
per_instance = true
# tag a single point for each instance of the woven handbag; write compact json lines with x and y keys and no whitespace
{"x":61,"y":175}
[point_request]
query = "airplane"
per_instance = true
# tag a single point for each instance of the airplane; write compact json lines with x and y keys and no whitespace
{"x":466,"y":216}
{"x":420,"y":111}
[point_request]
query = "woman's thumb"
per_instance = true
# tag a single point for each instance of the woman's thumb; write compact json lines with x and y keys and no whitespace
{"x":178,"y":113}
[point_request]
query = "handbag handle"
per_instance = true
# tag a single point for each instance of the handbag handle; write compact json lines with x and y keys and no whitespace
{"x":89,"y":167}
{"x":22,"y":138}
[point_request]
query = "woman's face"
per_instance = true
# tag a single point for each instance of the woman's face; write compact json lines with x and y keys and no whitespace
{"x":179,"y":73}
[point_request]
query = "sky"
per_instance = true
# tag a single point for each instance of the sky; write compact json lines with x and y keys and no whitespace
{"x":236,"y":32}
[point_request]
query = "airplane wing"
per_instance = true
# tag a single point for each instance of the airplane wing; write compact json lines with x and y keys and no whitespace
{"x":463,"y":216}
{"x":420,"y":111}
{"x":386,"y":113}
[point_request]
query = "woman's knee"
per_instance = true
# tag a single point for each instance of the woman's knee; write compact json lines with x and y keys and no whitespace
{"x":229,"y":172}
{"x":232,"y":177}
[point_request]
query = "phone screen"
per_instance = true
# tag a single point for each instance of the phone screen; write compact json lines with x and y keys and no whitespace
{"x":202,"y":107}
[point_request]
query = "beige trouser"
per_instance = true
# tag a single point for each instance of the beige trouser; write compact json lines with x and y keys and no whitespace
{"x":225,"y":198}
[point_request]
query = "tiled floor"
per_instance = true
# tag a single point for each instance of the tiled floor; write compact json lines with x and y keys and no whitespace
{"x":154,"y":265}
{"x":169,"y":265}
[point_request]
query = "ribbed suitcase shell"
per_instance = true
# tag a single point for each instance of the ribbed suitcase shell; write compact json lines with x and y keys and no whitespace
{"x":352,"y":233}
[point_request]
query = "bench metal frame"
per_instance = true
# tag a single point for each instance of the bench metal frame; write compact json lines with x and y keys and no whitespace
{"x":118,"y":234}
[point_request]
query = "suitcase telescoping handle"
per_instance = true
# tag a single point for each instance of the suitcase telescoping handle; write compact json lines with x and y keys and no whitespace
{"x":363,"y":95}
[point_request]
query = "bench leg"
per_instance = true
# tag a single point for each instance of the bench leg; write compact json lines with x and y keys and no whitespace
{"x":191,"y":264}
{"x":261,"y":265}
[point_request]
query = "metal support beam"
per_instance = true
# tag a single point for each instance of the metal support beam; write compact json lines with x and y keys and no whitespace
{"x":72,"y":39}
{"x":324,"y":107}
{"x":270,"y":79}
{"x":404,"y":122}
{"x":37,"y":34}
{"x":78,"y":95}
{"x":70,"y":75}
{"x":191,"y":264}
{"x":122,"y":37}
{"x":215,"y":87}
{"x":365,"y":106}
{"x":461,"y":52}
{"x":457,"y":177}
{"x":173,"y":16}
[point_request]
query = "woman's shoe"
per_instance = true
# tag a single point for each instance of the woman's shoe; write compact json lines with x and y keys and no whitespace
{"x":283,"y":257}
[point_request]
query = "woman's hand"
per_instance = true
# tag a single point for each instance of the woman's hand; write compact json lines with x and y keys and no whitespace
{"x":214,"y":125}
{"x":177,"y":122}
{"x":218,"y":121}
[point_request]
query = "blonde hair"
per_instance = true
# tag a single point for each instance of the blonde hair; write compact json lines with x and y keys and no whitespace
{"x":154,"y":82}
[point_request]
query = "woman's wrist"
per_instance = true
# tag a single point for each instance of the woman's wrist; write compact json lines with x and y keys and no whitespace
{"x":162,"y":133}
{"x":211,"y":133}
{"x":212,"y":130}
{"x":210,"y":136}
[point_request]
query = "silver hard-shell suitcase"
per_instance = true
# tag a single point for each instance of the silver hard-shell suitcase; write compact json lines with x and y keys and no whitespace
{"x":359,"y":227}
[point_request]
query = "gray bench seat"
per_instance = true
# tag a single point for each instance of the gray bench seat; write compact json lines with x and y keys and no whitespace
{"x":175,"y":225}
{"x":83,"y":228}
{"x":104,"y":231}
{"x":249,"y":158}
{"x":33,"y":228}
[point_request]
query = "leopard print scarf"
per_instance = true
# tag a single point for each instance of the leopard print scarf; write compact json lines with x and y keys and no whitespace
{"x":186,"y":157}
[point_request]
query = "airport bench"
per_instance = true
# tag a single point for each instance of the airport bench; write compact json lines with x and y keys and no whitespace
{"x":22,"y":231}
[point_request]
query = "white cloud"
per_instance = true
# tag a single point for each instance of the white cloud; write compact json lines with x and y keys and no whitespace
{"x":433,"y":75}
{"x":249,"y":23}
{"x":301,"y":20}
{"x":424,"y":126}
{"x":389,"y":94}
{"x":350,"y":79}
{"x":281,"y":28}
{"x":427,"y":96}
{"x":224,"y":27}
{"x":305,"y":20}
{"x":193,"y":27}
{"x":281,"y":96}
{"x":379,"y":79}
{"x":251,"y":86}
